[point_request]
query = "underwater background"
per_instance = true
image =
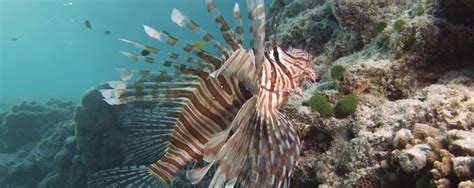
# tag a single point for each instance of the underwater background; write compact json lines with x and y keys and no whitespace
{"x":392,"y":106}
{"x":47,"y":51}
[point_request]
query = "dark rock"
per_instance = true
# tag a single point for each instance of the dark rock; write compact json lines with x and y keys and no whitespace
{"x":97,"y":132}
{"x":456,"y":11}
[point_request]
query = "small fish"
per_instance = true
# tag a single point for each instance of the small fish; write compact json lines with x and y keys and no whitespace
{"x":198,"y":44}
{"x":108,"y":32}
{"x":145,"y":52}
{"x":88,"y":24}
{"x":14,"y":39}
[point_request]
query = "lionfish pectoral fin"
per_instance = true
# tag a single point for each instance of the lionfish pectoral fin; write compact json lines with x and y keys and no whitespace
{"x":261,"y":153}
{"x":212,"y":148}
{"x":124,"y":176}
{"x":241,"y":66}
{"x":216,"y":143}
{"x":149,"y":130}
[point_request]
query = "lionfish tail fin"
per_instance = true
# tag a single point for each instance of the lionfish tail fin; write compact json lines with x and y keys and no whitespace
{"x":124,"y":176}
{"x":261,"y":153}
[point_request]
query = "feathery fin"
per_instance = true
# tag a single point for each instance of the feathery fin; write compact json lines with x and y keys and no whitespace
{"x":124,"y":176}
{"x":270,"y":147}
{"x":148,"y":132}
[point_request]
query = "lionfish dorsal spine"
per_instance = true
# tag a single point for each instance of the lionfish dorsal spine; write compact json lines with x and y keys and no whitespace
{"x":239,"y":28}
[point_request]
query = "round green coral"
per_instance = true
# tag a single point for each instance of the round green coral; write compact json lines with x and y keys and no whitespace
{"x":399,"y":25}
{"x":320,"y":104}
{"x":381,"y":26}
{"x":347,"y":105}
{"x":337,"y":71}
{"x":420,"y":10}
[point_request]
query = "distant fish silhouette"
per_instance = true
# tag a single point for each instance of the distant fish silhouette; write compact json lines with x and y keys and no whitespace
{"x":108,"y":32}
{"x":145,"y":52}
{"x":14,"y":39}
{"x":88,"y":24}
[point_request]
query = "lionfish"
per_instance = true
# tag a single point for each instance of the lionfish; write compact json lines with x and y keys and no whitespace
{"x":221,"y":107}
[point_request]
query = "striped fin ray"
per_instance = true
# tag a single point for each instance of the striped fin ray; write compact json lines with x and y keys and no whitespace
{"x":127,"y":74}
{"x":182,"y":67}
{"x":256,"y":9}
{"x":181,"y":20}
{"x":239,"y":28}
{"x":122,"y":92}
{"x":171,"y":55}
{"x":148,"y":132}
{"x":187,"y":47}
{"x":124,"y":176}
{"x":227,"y":32}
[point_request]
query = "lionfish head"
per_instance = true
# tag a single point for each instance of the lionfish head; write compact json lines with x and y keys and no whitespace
{"x":301,"y":61}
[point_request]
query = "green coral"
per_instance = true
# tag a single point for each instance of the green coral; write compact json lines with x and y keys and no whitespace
{"x":420,"y":10}
{"x":381,"y":26}
{"x":337,"y":71}
{"x":319,"y":103}
{"x":347,"y":105}
{"x":399,"y":25}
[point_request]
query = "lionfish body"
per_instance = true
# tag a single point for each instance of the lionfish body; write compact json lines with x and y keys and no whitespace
{"x":222,"y":109}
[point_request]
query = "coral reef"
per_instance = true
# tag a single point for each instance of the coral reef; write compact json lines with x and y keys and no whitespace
{"x":410,"y":63}
{"x":29,"y":120}
{"x":48,"y":157}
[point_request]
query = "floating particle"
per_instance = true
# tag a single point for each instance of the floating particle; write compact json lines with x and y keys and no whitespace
{"x":88,"y":24}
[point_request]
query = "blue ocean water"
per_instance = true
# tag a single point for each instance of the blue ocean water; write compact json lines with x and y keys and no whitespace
{"x":47,"y":51}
